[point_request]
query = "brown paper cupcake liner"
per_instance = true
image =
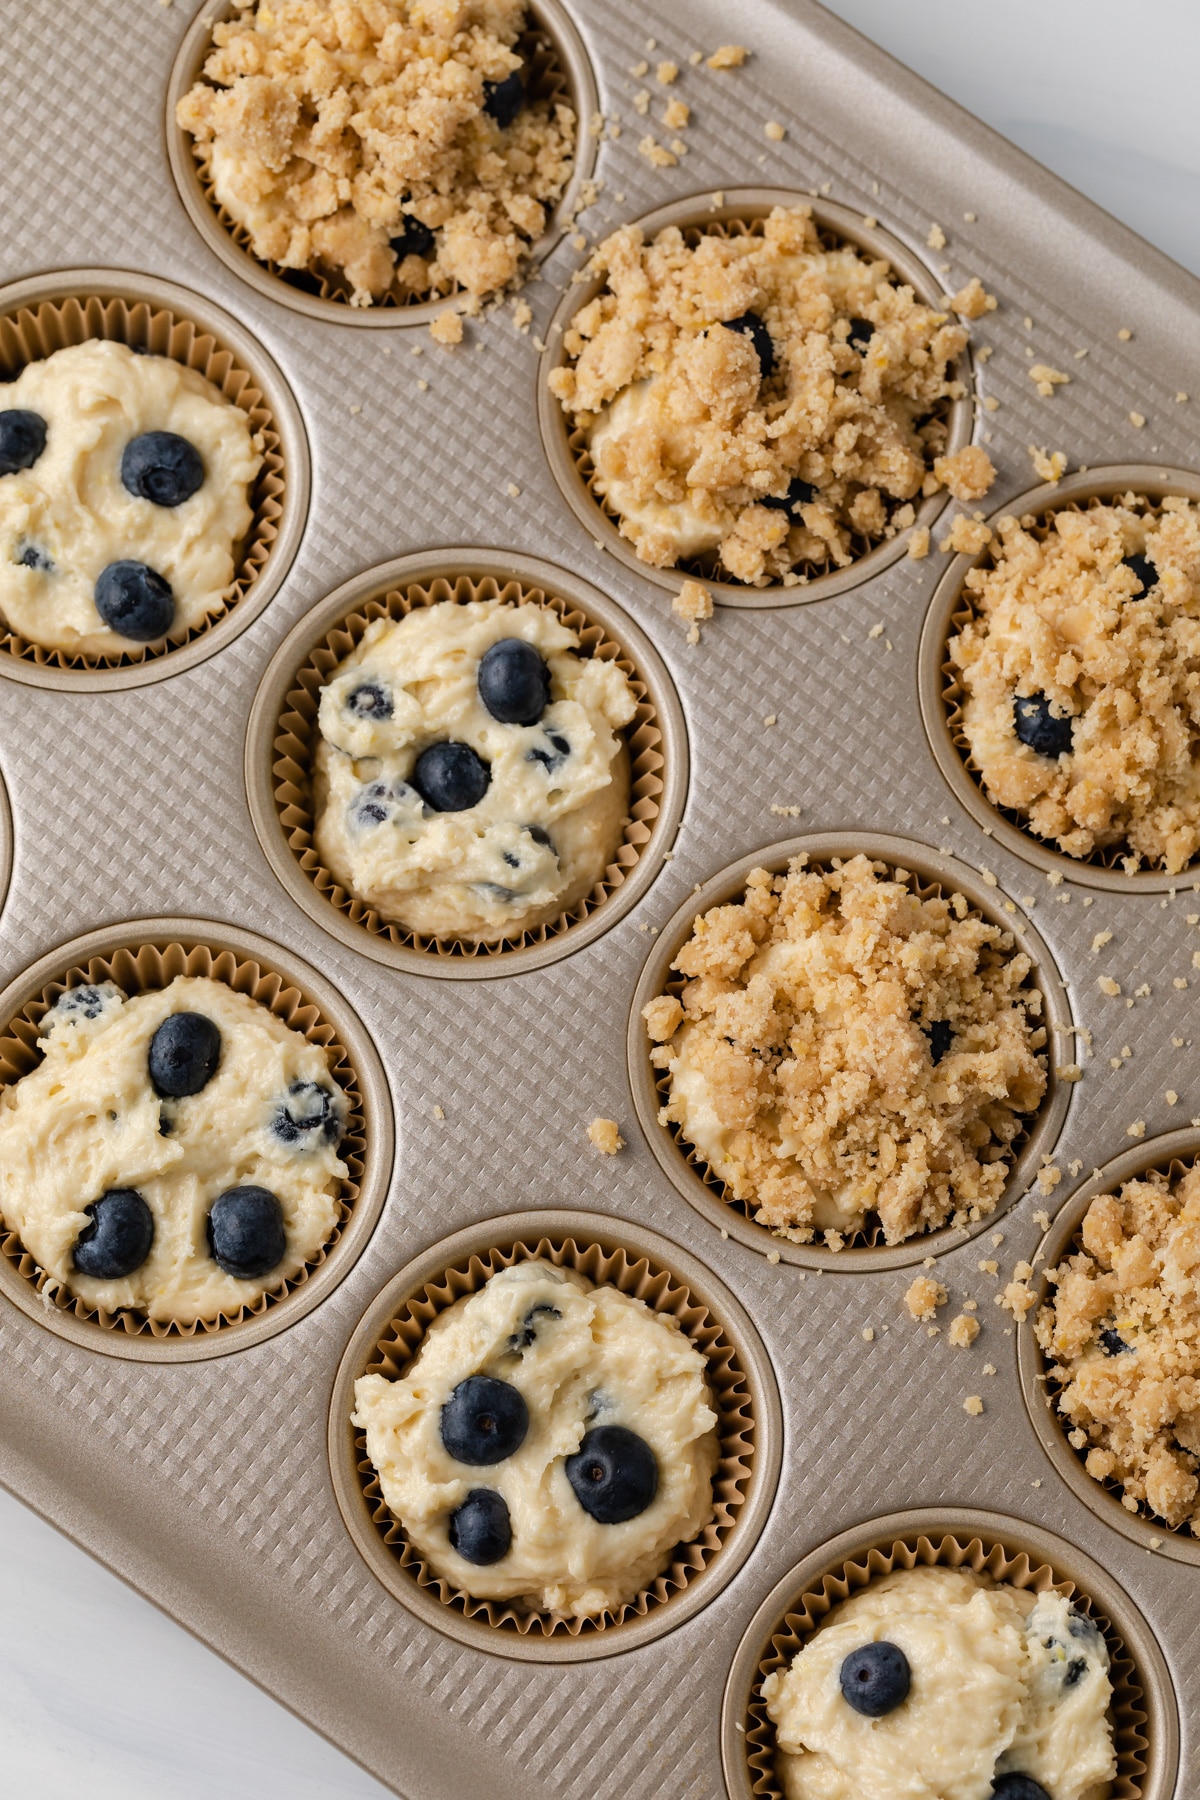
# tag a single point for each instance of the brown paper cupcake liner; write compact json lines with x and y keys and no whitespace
{"x":643,"y":1279}
{"x":549,"y":83}
{"x":934,"y":885}
{"x":942,"y":696}
{"x":1172,"y":1156}
{"x":144,"y":969}
{"x":297,"y":738}
{"x":571,"y":460}
{"x":31,"y":333}
{"x":1004,"y":1563}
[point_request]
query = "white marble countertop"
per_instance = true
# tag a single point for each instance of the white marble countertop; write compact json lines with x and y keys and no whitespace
{"x":1102,"y":94}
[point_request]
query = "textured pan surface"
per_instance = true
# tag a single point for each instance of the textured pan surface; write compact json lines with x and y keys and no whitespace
{"x":207,"y":1486}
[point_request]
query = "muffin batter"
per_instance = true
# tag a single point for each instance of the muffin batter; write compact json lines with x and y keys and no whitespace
{"x":1002,"y":1681}
{"x":845,"y":1048}
{"x":386,"y":142}
{"x":1080,"y":704}
{"x":91,"y":1119}
{"x":582,"y":1359}
{"x":762,"y":398}
{"x":522,"y":821}
{"x":69,"y":516}
{"x":1122,"y":1335}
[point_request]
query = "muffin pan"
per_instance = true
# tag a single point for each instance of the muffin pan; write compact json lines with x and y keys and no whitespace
{"x":210,"y":1487}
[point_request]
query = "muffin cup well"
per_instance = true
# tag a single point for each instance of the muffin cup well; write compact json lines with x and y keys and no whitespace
{"x":283,"y":736}
{"x":930,"y":874}
{"x":148,"y":954}
{"x":1172,"y":1154}
{"x":1143,"y":1709}
{"x":567,"y":452}
{"x":637,"y":1262}
{"x":562,"y":70}
{"x":72,"y":306}
{"x":941,"y":695}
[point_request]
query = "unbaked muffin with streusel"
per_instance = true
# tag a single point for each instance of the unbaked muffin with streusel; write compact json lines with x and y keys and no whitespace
{"x":1081,"y":704}
{"x":391,"y":145}
{"x":844,"y":1051}
{"x":770,"y":405}
{"x":1121,"y":1333}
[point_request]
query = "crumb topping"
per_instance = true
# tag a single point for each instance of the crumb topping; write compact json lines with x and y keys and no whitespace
{"x":606,"y":1136}
{"x":765,"y":399}
{"x":372,"y":141}
{"x":801,"y":1055}
{"x":1095,"y":619}
{"x":1122,"y":1334}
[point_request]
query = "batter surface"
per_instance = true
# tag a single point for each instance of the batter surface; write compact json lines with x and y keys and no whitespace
{"x":87,"y":1120}
{"x":551,"y":815}
{"x":581,"y":1358}
{"x":845,"y":1048}
{"x":1122,"y":1334}
{"x":386,"y":141}
{"x":69,"y":515}
{"x":1003,"y":1681}
{"x":763,"y":398}
{"x":1080,"y":701}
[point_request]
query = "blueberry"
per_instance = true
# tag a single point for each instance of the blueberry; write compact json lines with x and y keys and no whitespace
{"x":1143,"y":571}
{"x":514,"y":682}
{"x":184,"y":1053}
{"x":450,"y":777}
{"x":1018,"y":1787}
{"x":484,"y":1421}
{"x":560,"y":748}
{"x":1037,"y":726}
{"x":541,"y":836}
{"x":22,"y":439}
{"x":370,"y":700}
{"x":117,"y":1241}
{"x":1111,"y":1342}
{"x":86,"y":1002}
{"x":1075,"y":1671}
{"x":521,"y":1340}
{"x":135,"y":600}
{"x":860,"y":334}
{"x":166,"y":1124}
{"x":503,"y":100}
{"x":245,"y":1232}
{"x":163,"y":467}
{"x":32,"y":556}
{"x":875,"y":1679}
{"x":614,"y":1474}
{"x":940,"y":1037}
{"x":480,"y":1529}
{"x":800,"y":493}
{"x":311,"y":1113}
{"x":753,"y":327}
{"x":414,"y":240}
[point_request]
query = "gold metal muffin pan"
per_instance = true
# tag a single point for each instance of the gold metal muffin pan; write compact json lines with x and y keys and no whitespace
{"x":232,"y":1490}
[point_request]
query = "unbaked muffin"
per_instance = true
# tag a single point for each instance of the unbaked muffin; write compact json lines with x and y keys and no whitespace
{"x":1080,"y":705}
{"x":471,"y":780}
{"x":845,"y":1051}
{"x":552,"y":1444}
{"x":772,"y":403}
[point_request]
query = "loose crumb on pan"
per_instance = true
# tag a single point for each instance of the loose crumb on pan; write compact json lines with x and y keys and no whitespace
{"x":1087,"y":621}
{"x":766,"y":400}
{"x":801,"y":1056}
{"x":728,"y":56}
{"x":357,"y":140}
{"x":918,"y":543}
{"x":972,"y":301}
{"x":924,"y":1297}
{"x":693,"y":603}
{"x":965,"y":536}
{"x":606,"y":1136}
{"x":775,"y":131}
{"x":963,"y":1331}
{"x":973,"y":1405}
{"x":1046,"y":379}
{"x":1051,"y":467}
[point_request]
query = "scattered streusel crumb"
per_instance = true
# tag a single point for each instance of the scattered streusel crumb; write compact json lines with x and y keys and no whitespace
{"x":1137,"y":1129}
{"x":666,"y":73}
{"x":963,"y":1331}
{"x":918,"y":543}
{"x":988,"y":1266}
{"x":937,"y":237}
{"x":1047,"y":379}
{"x":967,"y":475}
{"x":973,"y":1404}
{"x":775,"y":131}
{"x":1050,"y":467}
{"x":1138,"y":421}
{"x":447,"y":328}
{"x":972,"y":301}
{"x":676,"y":115}
{"x":868,"y":1334}
{"x":438,"y":1113}
{"x":1049,"y":1176}
{"x":656,"y":153}
{"x":1069,"y":1072}
{"x":966,"y":536}
{"x":693,"y":602}
{"x":924,"y":1297}
{"x":729,"y":56}
{"x":1171,"y":1097}
{"x":605,"y":1135}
